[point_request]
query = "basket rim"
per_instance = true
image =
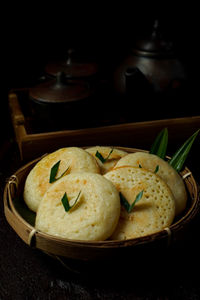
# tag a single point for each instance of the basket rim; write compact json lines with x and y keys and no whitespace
{"x":166,"y":232}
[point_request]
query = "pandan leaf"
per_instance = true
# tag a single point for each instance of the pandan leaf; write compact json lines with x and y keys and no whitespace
{"x":54,"y":171}
{"x":100,"y":156}
{"x":159,"y":146}
{"x":178,"y":159}
{"x":125,"y":203}
{"x":65,"y":201}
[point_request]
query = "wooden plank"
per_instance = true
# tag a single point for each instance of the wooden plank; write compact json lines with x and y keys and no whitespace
{"x":15,"y":109}
{"x":137,"y":134}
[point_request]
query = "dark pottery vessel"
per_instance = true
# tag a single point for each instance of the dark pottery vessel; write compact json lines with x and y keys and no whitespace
{"x":151,"y":73}
{"x":61,"y":103}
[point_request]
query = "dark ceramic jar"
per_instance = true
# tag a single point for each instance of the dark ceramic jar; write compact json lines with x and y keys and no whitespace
{"x":153,"y":63}
{"x":61,"y":102}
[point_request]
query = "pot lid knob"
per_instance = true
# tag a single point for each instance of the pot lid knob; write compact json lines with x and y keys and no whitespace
{"x":73,"y":67}
{"x":60,"y":80}
{"x":154,"y":44}
{"x":70,"y":53}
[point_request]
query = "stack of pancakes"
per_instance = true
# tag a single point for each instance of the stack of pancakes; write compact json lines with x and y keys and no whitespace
{"x":97,"y":213}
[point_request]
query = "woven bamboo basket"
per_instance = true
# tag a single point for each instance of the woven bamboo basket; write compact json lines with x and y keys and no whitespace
{"x":21,"y":219}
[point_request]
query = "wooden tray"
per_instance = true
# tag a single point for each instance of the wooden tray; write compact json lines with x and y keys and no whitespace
{"x":21,"y":219}
{"x":136,"y":134}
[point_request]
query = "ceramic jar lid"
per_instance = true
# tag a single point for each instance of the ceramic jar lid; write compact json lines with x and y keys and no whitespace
{"x":60,"y":90}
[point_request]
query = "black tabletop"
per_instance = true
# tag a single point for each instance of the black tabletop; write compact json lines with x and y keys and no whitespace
{"x":27,"y":273}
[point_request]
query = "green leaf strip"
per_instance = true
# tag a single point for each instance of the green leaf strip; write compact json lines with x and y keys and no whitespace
{"x":138,"y":197}
{"x":100,"y":156}
{"x":125,"y":203}
{"x":159,"y":147}
{"x":156,"y":169}
{"x":111,"y":151}
{"x":65,"y":201}
{"x":54,"y":171}
{"x":178,"y":159}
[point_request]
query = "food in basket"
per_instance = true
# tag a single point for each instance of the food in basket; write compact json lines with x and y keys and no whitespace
{"x":73,"y":199}
{"x":153,"y":212}
{"x":72,"y":159}
{"x":106,"y":157}
{"x":152,"y":162}
{"x":78,"y":192}
{"x":83,"y":206}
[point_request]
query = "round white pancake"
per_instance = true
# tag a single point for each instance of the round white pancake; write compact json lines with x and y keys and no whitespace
{"x":37,"y":182}
{"x":105,"y":151}
{"x":165,"y":171}
{"x":152,"y":213}
{"x":95,"y":215}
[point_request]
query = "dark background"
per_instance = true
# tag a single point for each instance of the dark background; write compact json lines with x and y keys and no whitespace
{"x":105,"y":35}
{"x":35,"y":35}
